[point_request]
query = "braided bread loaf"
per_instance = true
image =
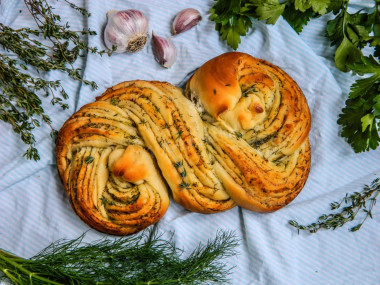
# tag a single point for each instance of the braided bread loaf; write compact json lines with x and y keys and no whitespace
{"x":248,"y":147}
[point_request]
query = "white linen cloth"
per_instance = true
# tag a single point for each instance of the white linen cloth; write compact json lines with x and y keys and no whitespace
{"x":34,"y":210}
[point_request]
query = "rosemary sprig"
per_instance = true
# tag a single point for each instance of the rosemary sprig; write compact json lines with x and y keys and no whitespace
{"x":363,"y":201}
{"x":52,"y":46}
{"x":144,"y":258}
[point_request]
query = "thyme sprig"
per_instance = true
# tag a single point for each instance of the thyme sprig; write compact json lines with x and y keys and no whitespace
{"x":356,"y":202}
{"x":50,"y":46}
{"x":144,"y":258}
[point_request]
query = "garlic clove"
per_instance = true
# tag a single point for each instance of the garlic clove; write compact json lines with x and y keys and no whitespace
{"x":127,"y":30}
{"x":164,"y":51}
{"x":185,"y":20}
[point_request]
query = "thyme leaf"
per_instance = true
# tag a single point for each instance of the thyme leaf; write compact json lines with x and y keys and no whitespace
{"x":52,"y":45}
{"x":355,"y":203}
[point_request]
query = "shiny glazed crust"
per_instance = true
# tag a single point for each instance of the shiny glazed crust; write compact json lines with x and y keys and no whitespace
{"x":110,"y":155}
{"x":244,"y":142}
{"x":257,"y":121}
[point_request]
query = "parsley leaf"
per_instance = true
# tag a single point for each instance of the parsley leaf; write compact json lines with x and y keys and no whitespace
{"x":350,"y":32}
{"x":318,"y":6}
{"x":297,"y":19}
{"x":334,"y":29}
{"x":230,"y":21}
{"x":346,"y":53}
{"x":269,"y":10}
{"x":336,"y":5}
{"x":358,"y":118}
{"x":233,"y":17}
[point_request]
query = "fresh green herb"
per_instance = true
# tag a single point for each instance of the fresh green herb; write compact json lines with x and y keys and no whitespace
{"x":179,"y":135}
{"x":184,"y":185}
{"x":362,"y":111}
{"x":214,"y":91}
{"x":145,"y":258}
{"x":358,"y":201}
{"x":105,"y":201}
{"x":239,"y":135}
{"x":233,"y":19}
{"x":178,"y":164}
{"x":349,"y":32}
{"x":115,"y":101}
{"x":143,"y":122}
{"x":81,"y":10}
{"x":21,"y":93}
{"x":89,"y":159}
{"x":230,"y":21}
{"x":249,"y":90}
{"x":183,"y":173}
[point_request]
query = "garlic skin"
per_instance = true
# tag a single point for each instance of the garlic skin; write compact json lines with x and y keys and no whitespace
{"x":164,"y":51}
{"x":127,"y":30}
{"x":185,"y":20}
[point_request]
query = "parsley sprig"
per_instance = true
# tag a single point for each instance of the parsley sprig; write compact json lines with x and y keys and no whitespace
{"x":362,"y":111}
{"x":230,"y":21}
{"x":233,"y":19}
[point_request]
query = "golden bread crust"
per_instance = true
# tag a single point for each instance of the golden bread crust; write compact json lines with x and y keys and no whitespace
{"x":250,"y":147}
{"x":104,"y":158}
{"x":258,"y":126}
{"x":111,"y":180}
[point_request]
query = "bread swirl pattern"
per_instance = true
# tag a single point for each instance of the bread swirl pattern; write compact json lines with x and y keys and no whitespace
{"x":258,"y":122}
{"x":248,"y":147}
{"x":110,"y":178}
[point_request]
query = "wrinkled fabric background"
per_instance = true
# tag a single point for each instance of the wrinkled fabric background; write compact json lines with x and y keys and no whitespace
{"x":34,"y":210}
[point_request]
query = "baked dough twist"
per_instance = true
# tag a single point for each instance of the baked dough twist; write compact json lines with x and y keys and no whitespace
{"x":258,"y":122}
{"x":248,"y":147}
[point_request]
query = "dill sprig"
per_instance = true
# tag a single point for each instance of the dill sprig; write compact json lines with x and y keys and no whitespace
{"x":51,"y":46}
{"x":145,"y":258}
{"x":356,"y":202}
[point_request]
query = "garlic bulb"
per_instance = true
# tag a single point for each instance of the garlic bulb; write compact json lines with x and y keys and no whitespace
{"x":127,"y":30}
{"x":185,"y":20}
{"x":164,"y":50}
